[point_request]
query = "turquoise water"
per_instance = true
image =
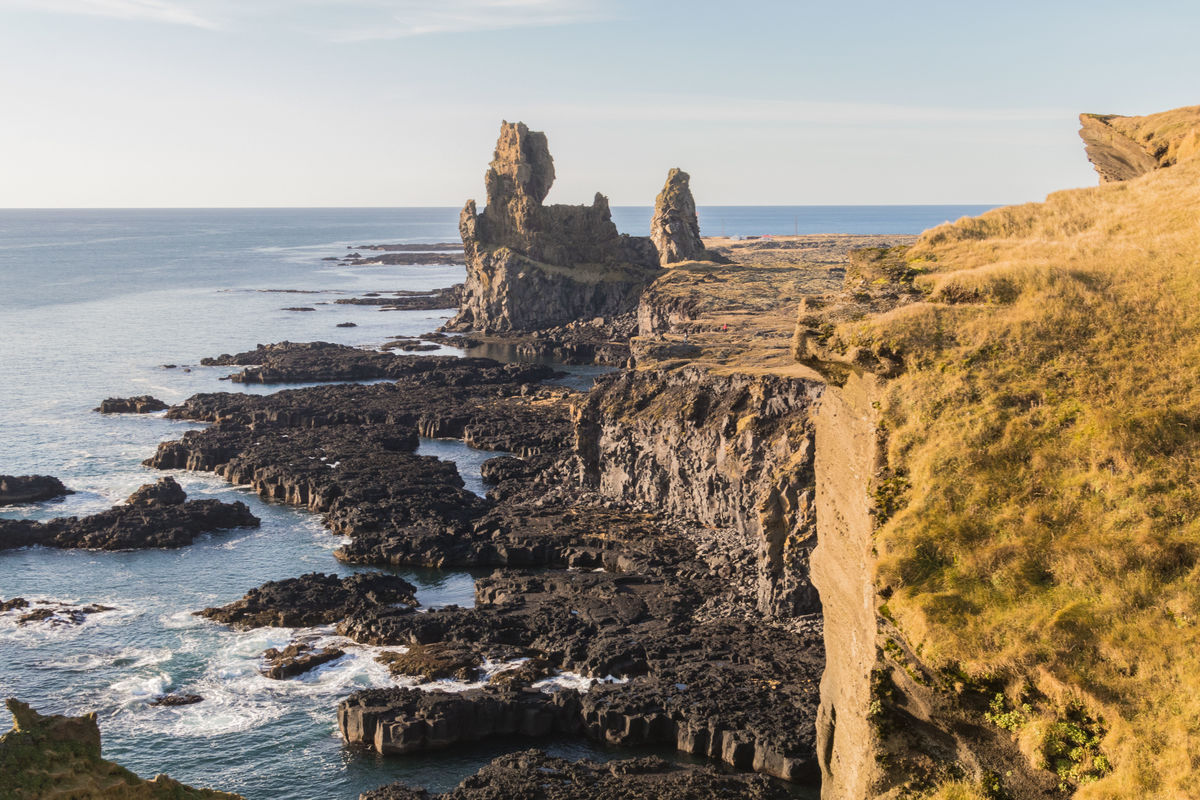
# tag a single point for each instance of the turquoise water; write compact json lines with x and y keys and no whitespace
{"x":92,"y":304}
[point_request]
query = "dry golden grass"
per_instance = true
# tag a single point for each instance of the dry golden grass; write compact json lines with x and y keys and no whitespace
{"x":1048,"y":423}
{"x":1170,"y":136}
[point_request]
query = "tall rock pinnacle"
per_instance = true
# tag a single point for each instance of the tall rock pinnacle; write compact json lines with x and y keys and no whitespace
{"x":675,"y":229}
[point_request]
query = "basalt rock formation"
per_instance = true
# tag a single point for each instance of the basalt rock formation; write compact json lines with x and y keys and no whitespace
{"x":142,"y":404}
{"x":675,"y":228}
{"x":154,"y":516}
{"x":733,"y":452}
{"x":59,"y":757}
{"x":533,"y":774}
{"x":314,"y":599}
{"x":531,"y":266}
{"x":1123,"y":148}
{"x":21,"y":489}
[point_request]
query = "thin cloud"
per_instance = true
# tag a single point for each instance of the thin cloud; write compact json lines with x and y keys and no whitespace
{"x":173,"y":13}
{"x":407,"y":18}
{"x":339,"y":20}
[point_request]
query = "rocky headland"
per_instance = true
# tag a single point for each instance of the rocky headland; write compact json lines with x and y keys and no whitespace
{"x":913,"y":515}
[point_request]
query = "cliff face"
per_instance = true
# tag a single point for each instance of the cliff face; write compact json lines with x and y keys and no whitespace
{"x":732,"y":452}
{"x":1123,"y":148}
{"x":1008,"y":610}
{"x":56,"y":756}
{"x":842,"y":571}
{"x":531,"y":266}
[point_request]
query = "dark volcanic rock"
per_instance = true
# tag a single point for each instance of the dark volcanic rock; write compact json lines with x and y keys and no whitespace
{"x":404,"y":259}
{"x":131,"y":526}
{"x":740,"y":692}
{"x":531,"y":266}
{"x":20,"y":489}
{"x":533,"y":774}
{"x":413,"y":247}
{"x":142,"y":404}
{"x":173,"y":700}
{"x":164,"y":492}
{"x":315,"y":599}
{"x":346,"y":451}
{"x":309,"y":362}
{"x":51,"y":612}
{"x":299,"y":308}
{"x":347,"y":324}
{"x":505,"y":468}
{"x":397,"y":721}
{"x":433,"y":662}
{"x":449,"y":297}
{"x":296,"y":659}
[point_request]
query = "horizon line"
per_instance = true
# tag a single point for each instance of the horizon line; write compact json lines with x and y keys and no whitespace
{"x":458,"y":208}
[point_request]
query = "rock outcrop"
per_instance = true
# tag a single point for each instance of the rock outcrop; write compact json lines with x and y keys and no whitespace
{"x":533,"y":774}
{"x":154,"y":516}
{"x":21,"y":489}
{"x":675,"y":228}
{"x":531,"y":266}
{"x":59,"y":757}
{"x":1123,"y":148}
{"x":729,"y":451}
{"x":314,"y":599}
{"x":142,"y":404}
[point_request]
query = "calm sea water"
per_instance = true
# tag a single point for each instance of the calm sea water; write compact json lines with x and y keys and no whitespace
{"x":92,"y":305}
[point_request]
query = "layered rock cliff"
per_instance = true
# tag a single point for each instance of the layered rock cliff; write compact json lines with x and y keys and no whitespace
{"x":59,"y":757}
{"x":731,"y":451}
{"x":1009,"y":609}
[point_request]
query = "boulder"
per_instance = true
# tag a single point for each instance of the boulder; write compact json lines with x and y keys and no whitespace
{"x":296,"y":659}
{"x":142,"y":404}
{"x":164,"y":492}
{"x":21,"y":489}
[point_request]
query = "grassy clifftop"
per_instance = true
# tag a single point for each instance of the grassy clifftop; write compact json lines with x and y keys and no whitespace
{"x":1041,"y":513}
{"x":58,"y":758}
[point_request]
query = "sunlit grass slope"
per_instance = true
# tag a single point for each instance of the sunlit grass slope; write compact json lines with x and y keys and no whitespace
{"x":1170,"y":136}
{"x":1045,"y":440}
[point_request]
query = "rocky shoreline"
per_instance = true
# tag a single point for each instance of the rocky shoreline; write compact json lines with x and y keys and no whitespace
{"x":649,"y":538}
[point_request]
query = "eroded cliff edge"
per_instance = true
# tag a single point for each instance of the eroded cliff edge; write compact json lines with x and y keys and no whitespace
{"x":1009,"y":585}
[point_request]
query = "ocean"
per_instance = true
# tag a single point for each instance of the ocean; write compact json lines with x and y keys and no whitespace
{"x":95,"y":304}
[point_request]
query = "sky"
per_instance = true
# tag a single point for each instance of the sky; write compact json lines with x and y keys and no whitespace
{"x":214,"y":103}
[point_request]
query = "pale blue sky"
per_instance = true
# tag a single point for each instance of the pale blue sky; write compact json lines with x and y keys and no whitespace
{"x":398,"y":102}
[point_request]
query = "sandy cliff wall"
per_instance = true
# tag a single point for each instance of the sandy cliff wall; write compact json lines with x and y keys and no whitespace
{"x":842,"y":571}
{"x":733,"y":452}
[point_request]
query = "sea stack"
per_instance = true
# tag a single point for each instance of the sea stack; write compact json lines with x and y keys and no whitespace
{"x":675,"y":229}
{"x":532,"y":266}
